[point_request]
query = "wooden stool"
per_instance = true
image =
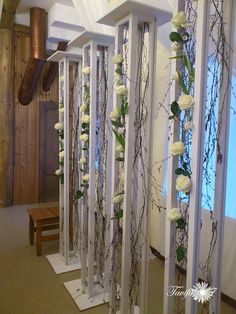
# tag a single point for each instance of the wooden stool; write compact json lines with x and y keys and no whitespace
{"x":41,"y":219}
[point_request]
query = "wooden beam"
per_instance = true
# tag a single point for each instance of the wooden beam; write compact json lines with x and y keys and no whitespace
{"x":6,"y":116}
{"x":8,"y":11}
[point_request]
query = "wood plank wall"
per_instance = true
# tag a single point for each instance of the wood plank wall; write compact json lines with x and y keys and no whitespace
{"x":26,"y":127}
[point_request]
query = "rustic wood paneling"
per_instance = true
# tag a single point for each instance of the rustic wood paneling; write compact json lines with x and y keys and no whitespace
{"x":6,"y":116}
{"x":26,"y":127}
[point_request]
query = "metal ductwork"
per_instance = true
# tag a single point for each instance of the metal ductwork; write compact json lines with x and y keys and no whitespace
{"x":52,"y":71}
{"x":37,"y":55}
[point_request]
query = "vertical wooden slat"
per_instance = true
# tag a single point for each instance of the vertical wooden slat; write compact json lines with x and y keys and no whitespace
{"x":202,"y":39}
{"x":170,"y":235}
{"x":221,"y":165}
{"x":92,"y":165}
{"x":129,"y":152}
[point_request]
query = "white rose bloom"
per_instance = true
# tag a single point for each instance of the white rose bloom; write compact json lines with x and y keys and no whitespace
{"x":83,"y":107}
{"x":117,"y":59}
{"x":121,"y":90}
{"x":176,"y":47}
{"x":114,"y":114}
{"x":58,"y":172}
{"x":61,"y":154}
{"x":174,"y":214}
{"x":183,"y":184}
{"x":177,"y":148}
{"x":188,"y":126}
{"x":185,"y":102}
{"x":86,"y":70}
{"x":86,"y":178}
{"x":83,"y":137}
{"x":179,"y":20}
{"x":58,"y":126}
{"x":85,"y":118}
{"x":82,"y":160}
{"x":118,"y":199}
{"x":61,"y":110}
{"x":119,"y":148}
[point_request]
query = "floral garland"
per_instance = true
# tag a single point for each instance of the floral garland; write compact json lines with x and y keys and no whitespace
{"x":118,"y":117}
{"x":59,"y":127}
{"x":182,"y":110}
{"x":84,"y":135}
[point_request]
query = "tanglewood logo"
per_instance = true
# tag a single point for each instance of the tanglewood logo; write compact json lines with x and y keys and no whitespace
{"x":200,"y":292}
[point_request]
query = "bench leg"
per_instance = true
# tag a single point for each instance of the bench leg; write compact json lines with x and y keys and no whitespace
{"x":38,"y":238}
{"x":31,"y":231}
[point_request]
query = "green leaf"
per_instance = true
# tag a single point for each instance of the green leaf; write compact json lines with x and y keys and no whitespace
{"x":175,"y":108}
{"x":85,"y":125}
{"x":118,"y":70}
{"x":85,"y":131}
{"x":187,"y":64}
{"x":176,"y":37}
{"x":118,"y":215}
{"x":120,"y":138}
{"x":185,"y":166}
{"x":181,"y":253}
{"x":176,"y":57}
{"x":117,"y":123}
{"x":124,"y":107}
{"x":120,"y":159}
{"x":180,"y":171}
{"x":78,"y":195}
{"x":181,"y":223}
{"x":182,"y":84}
{"x":171,"y":117}
{"x":84,"y":148}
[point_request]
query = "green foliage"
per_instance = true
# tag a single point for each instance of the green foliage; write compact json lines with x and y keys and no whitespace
{"x":182,"y":84}
{"x":117,"y":123}
{"x":175,"y":110}
{"x":120,"y":138}
{"x":120,"y":159}
{"x":181,"y":252}
{"x":118,"y":214}
{"x":78,"y":195}
{"x":181,"y":223}
{"x":176,"y":37}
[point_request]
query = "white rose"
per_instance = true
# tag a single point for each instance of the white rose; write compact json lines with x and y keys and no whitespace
{"x":85,"y":118}
{"x":176,"y":47}
{"x":61,"y":154}
{"x":119,"y":148}
{"x":114,"y":114}
{"x":82,"y":160}
{"x":86,"y":178}
{"x":188,"y":126}
{"x":83,"y":107}
{"x":183,"y":184}
{"x":185,"y":102}
{"x":117,"y":59}
{"x":58,"y":172}
{"x":61,"y":110}
{"x":177,"y":148}
{"x":121,"y":90}
{"x":118,"y":199}
{"x":86,"y":70}
{"x":58,"y":126}
{"x":179,"y":20}
{"x":83,"y":137}
{"x":174,"y":214}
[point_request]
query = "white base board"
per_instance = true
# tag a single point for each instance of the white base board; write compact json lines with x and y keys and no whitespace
{"x":81,"y":299}
{"x":59,"y":265}
{"x":136,"y":310}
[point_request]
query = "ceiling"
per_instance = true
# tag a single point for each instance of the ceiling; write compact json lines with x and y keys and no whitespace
{"x":25,"y":5}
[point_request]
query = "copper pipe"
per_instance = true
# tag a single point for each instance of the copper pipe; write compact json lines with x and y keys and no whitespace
{"x":37,"y":58}
{"x":52,"y":71}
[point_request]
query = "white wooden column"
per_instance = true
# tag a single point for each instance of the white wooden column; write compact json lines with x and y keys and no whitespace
{"x":66,"y":259}
{"x":221,"y":165}
{"x":202,"y":38}
{"x":172,"y":202}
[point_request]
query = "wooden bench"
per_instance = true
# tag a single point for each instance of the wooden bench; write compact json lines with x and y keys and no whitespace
{"x":41,"y":219}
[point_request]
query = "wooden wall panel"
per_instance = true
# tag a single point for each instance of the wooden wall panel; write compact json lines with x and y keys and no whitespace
{"x":26,"y":127}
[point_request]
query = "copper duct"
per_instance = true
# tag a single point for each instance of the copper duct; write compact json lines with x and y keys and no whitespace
{"x":52,"y":71}
{"x":37,"y":55}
